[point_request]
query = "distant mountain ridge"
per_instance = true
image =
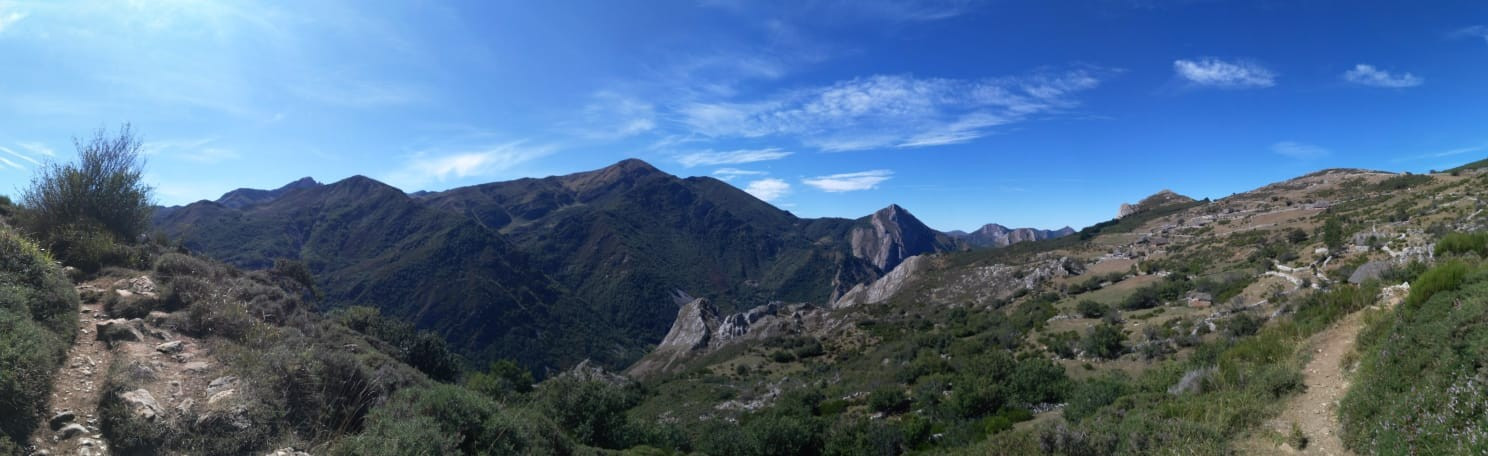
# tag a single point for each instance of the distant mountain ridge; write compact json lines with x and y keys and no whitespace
{"x":995,"y":235}
{"x":552,"y":270}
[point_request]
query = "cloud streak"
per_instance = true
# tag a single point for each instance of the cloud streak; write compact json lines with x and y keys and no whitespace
{"x":1368,"y":75}
{"x":708,"y":157}
{"x":428,"y":167}
{"x":888,"y":111}
{"x":1213,"y":72}
{"x":731,"y":173}
{"x":849,"y":182}
{"x":768,"y":189}
{"x":1299,"y":151}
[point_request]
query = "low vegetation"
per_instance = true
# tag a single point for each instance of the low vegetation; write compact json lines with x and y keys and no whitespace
{"x":1419,"y":387}
{"x":38,"y":320}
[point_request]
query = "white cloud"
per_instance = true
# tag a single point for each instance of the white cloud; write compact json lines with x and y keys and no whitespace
{"x":20,"y":155}
{"x":768,"y":189}
{"x":11,"y":163}
{"x":891,"y":111}
{"x":1212,"y":72}
{"x":1300,"y":151}
{"x":9,"y":18}
{"x":613,"y":116}
{"x":38,"y":148}
{"x":731,"y":173}
{"x":211,"y":155}
{"x":1476,"y":31}
{"x":428,"y":167}
{"x":735,"y":157}
{"x":849,"y":182}
{"x":358,"y":94}
{"x":1368,"y":75}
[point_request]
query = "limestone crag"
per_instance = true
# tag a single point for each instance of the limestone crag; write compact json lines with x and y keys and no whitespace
{"x":893,"y":234}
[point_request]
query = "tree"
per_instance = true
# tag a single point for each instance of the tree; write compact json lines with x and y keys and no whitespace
{"x":80,"y":208}
{"x":1333,"y":234}
{"x":1105,"y":341}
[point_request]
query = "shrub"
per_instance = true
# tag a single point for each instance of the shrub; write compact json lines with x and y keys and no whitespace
{"x":1092,"y":309}
{"x":1090,"y":395}
{"x":445,"y":419}
{"x":503,"y":379}
{"x":1445,"y":277}
{"x":38,"y":320}
{"x":82,"y":209}
{"x":1462,"y":244}
{"x":887,"y":400}
{"x":1105,"y":341}
{"x":593,"y":412}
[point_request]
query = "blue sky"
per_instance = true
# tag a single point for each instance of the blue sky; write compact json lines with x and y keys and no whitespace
{"x":1026,"y":113}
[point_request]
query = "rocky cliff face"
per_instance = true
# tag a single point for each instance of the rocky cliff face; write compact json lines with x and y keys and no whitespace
{"x":700,"y":329}
{"x":883,"y":288}
{"x":994,"y":235}
{"x":1159,"y":199}
{"x":892,"y":234}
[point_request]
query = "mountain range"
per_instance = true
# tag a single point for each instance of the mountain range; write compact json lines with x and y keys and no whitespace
{"x":551,"y":271}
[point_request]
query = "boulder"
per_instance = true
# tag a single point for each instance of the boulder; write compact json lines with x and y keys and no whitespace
{"x":66,"y":416}
{"x":71,"y":430}
{"x":141,"y":403}
{"x":171,"y":347}
{"x":157,"y":318}
{"x":1369,"y":271}
{"x":287,"y":452}
{"x":221,"y":384}
{"x":196,"y":367}
{"x":117,"y":329}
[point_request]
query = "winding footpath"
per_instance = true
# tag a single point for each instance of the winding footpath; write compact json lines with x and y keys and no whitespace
{"x":72,"y":427}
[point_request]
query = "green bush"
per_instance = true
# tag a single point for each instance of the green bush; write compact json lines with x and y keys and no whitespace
{"x":501,"y":380}
{"x":1092,"y":309}
{"x":887,"y":400}
{"x":1090,"y":395}
{"x":448,"y":420}
{"x":1462,"y":244}
{"x":1445,"y":277}
{"x":1419,"y":385}
{"x":1105,"y":341}
{"x":83,"y":210}
{"x":593,"y":412}
{"x":38,"y":321}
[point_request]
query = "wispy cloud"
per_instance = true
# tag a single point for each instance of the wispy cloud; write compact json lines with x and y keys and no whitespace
{"x":768,"y":189}
{"x":11,"y":163}
{"x":1476,"y":31}
{"x":1368,"y":75}
{"x":1300,"y":151}
{"x":211,"y":155}
{"x":37,"y":148}
{"x":877,"y":11}
{"x":611,"y":115}
{"x":20,"y":155}
{"x":1442,"y":154}
{"x":891,"y":111}
{"x":849,"y":182}
{"x":428,"y":167}
{"x":9,"y":18}
{"x":359,"y":94}
{"x":731,"y":173}
{"x":735,"y":157}
{"x":1213,"y":72}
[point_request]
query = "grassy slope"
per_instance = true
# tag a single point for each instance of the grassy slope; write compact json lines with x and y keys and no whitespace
{"x":38,"y":321}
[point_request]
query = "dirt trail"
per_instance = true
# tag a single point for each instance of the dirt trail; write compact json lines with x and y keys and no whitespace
{"x":78,"y":386}
{"x":171,"y":367}
{"x":1315,"y":411}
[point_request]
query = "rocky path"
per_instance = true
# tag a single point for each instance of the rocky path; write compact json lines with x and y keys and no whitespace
{"x":170,"y":371}
{"x":73,"y":426}
{"x":1315,"y":411}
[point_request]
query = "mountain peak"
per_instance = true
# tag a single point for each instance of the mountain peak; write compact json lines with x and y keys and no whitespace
{"x":627,"y":170}
{"x":1162,"y":198}
{"x":244,"y":197}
